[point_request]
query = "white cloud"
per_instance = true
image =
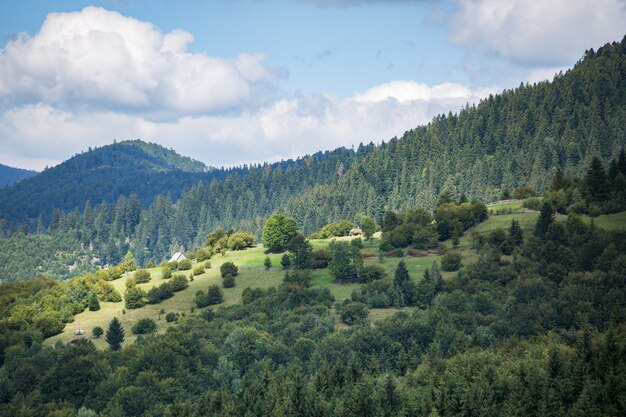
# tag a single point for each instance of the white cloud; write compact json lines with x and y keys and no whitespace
{"x":99,"y":58}
{"x":283,"y":129}
{"x":546,"y":33}
{"x":92,"y":76}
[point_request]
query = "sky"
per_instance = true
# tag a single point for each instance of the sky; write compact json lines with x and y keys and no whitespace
{"x":229,"y":82}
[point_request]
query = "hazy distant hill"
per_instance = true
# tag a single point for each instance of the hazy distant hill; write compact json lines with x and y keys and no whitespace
{"x":100,"y":175}
{"x":10,"y":175}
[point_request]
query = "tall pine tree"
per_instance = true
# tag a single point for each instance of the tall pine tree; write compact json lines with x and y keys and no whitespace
{"x":115,"y":334}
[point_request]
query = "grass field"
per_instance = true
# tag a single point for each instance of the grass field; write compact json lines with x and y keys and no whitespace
{"x":252,"y":274}
{"x":616,"y":221}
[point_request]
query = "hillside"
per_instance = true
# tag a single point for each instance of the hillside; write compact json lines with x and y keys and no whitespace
{"x":101,"y":175}
{"x":10,"y":175}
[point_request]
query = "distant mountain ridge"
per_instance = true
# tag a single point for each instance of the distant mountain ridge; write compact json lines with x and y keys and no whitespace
{"x":10,"y":175}
{"x":101,"y":174}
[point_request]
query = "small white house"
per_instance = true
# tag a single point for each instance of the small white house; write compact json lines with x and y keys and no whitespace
{"x":178,"y":256}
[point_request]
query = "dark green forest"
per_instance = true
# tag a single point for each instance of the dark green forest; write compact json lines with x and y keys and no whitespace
{"x":165,"y":203}
{"x":537,"y":332}
{"x":10,"y":175}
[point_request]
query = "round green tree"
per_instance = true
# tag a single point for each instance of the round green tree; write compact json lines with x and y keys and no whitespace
{"x":278,"y":231}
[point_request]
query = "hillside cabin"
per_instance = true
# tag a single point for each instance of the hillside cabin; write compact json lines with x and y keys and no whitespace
{"x":356,"y":232}
{"x":178,"y":256}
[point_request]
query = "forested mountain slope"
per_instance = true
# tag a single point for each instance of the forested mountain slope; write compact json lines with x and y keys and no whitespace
{"x":10,"y":175}
{"x":99,"y":175}
{"x":517,"y":138}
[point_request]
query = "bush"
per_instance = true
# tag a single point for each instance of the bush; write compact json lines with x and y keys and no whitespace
{"x":240,"y":240}
{"x":229,"y":268}
{"x":451,"y":261}
{"x":97,"y":332}
{"x":301,"y":277}
{"x":357,"y":242}
{"x":144,"y":326}
{"x":184,"y":265}
{"x":371,"y":273}
{"x":203,"y":254}
{"x":174,"y":265}
{"x":171,"y":317}
{"x":166,"y":272}
{"x":533,"y":203}
{"x":114,"y":273}
{"x":228,"y":281}
{"x":142,"y":276}
{"x":285,"y":261}
{"x":134,"y":298}
{"x":353,"y":312}
{"x":157,"y":294}
{"x":320,"y":259}
{"x":198,"y":270}
{"x":214,"y":295}
{"x":267,"y":263}
{"x":179,"y":282}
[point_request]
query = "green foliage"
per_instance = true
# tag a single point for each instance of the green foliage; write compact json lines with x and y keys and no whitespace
{"x":320,"y":258}
{"x":198,"y":269}
{"x":300,"y":277}
{"x":241,"y":240}
{"x":179,"y":282}
{"x":368,"y":226}
{"x":451,"y":261}
{"x":214,"y":295}
{"x":142,"y":276}
{"x":346,"y":260}
{"x":115,"y":335}
{"x":157,"y":294}
{"x":369,"y":273}
{"x":277,"y":232}
{"x":92,"y":302}
{"x":546,"y":217}
{"x":144,"y":326}
{"x":134,"y":298}
{"x":184,"y":265}
{"x":166,"y":271}
{"x":301,"y":252}
{"x":336,"y":229}
{"x":97,"y":332}
{"x":405,"y":289}
{"x":171,"y":317}
{"x":228,"y":281}
{"x":229,"y":268}
{"x":285,"y":261}
{"x":267,"y":263}
{"x":353,"y":312}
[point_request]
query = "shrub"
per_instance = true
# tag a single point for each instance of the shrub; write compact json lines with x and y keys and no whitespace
{"x":353,"y":312}
{"x":166,"y":272}
{"x":267,"y":263}
{"x":320,"y":259}
{"x":174,"y":265}
{"x":179,"y":282}
{"x":142,"y":276}
{"x":451,"y":261}
{"x":171,"y":317}
{"x":144,"y":326}
{"x":97,"y":332}
{"x":203,"y":254}
{"x":229,"y":268}
{"x":285,"y":261}
{"x":114,"y":273}
{"x":357,"y":242}
{"x":240,"y":240}
{"x":371,"y":273}
{"x":533,"y":203}
{"x":228,"y":281}
{"x":184,"y":265}
{"x":214,"y":295}
{"x":162,"y":292}
{"x":150,"y":265}
{"x":198,"y":270}
{"x":299,"y":277}
{"x":134,"y":298}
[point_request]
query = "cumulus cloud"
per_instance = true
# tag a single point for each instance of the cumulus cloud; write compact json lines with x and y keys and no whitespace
{"x":288,"y":127}
{"x":89,"y":77}
{"x":99,"y":58}
{"x":548,"y":33}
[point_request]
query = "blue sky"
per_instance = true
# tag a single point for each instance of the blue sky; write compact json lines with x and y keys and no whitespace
{"x":236,"y":81}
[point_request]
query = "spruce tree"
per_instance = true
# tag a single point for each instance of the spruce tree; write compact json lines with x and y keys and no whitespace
{"x":115,"y":334}
{"x":516,"y":233}
{"x":93,"y":303}
{"x":546,"y":217}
